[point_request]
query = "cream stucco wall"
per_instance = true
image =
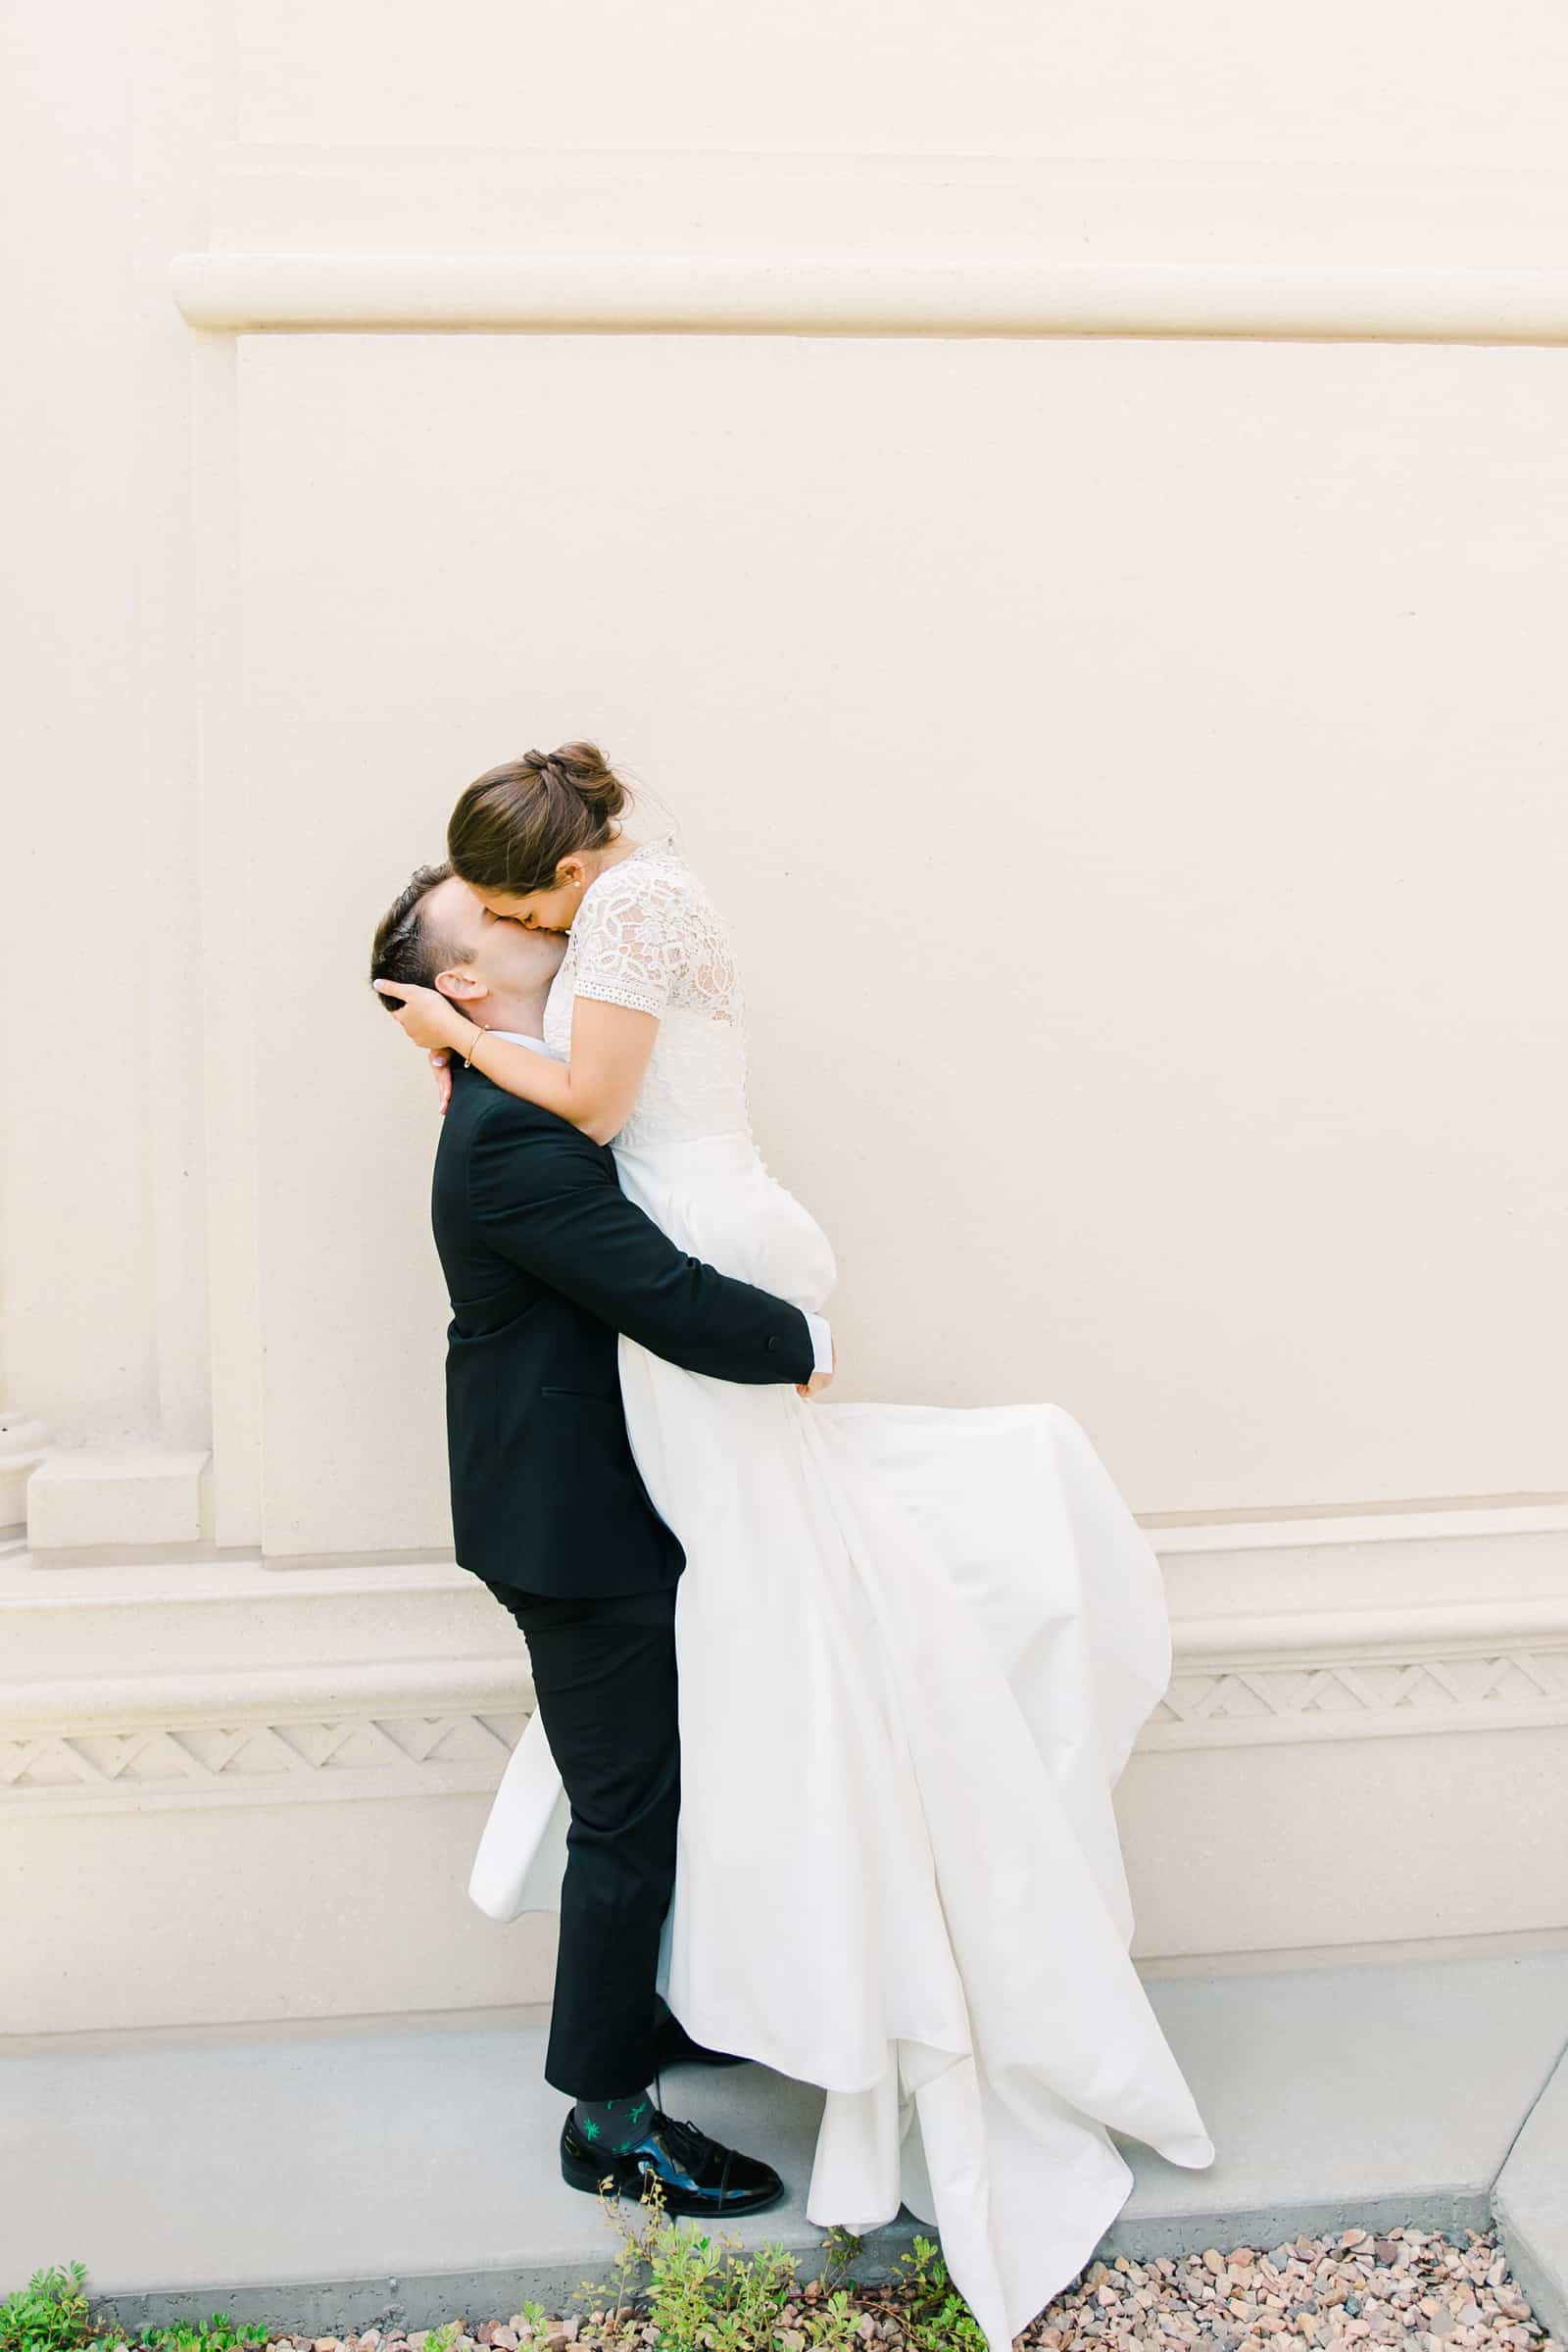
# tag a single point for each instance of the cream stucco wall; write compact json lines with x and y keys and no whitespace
{"x":1150,"y":920}
{"x":1069,"y":512}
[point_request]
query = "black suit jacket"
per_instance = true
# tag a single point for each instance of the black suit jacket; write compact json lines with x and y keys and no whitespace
{"x":546,"y":1260}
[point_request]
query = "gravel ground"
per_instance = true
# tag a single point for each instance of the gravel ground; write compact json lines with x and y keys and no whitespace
{"x":1421,"y":2289}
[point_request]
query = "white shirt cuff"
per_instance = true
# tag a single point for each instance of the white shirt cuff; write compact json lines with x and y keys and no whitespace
{"x":821,"y":1339}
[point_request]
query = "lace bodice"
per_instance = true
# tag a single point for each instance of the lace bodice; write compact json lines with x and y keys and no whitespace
{"x":648,"y":936}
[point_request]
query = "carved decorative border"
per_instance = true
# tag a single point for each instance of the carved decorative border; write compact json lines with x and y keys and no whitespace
{"x":283,"y":1758}
{"x":1487,"y":1688}
{"x":89,"y":1768}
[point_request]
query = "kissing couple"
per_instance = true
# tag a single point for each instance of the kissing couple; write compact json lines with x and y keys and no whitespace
{"x":831,"y":1697}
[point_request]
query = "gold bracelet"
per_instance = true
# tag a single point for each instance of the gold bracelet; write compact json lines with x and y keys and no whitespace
{"x":478,"y":1031}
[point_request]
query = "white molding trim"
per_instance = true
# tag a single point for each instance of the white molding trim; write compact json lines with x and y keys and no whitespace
{"x":424,"y":1723}
{"x":278,"y":1693}
{"x":432,"y":1728}
{"x":36,"y":1585}
{"x":228,"y":951}
{"x":705,"y":294}
{"x":293,"y":1736}
{"x":259,"y":1575}
{"x":1403,"y":1525}
{"x":1429,"y":1631}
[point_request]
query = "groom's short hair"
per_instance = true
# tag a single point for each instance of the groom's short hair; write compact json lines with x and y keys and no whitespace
{"x":408,"y":948}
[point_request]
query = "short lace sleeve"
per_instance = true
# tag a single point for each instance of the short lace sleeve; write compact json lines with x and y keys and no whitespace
{"x":627,"y":942}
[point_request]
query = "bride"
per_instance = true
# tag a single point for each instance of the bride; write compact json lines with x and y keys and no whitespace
{"x":942,"y":1628}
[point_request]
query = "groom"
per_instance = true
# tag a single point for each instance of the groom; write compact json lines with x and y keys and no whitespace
{"x":546,"y":1262}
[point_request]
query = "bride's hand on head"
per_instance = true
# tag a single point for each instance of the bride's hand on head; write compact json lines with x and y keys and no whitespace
{"x":433,"y":1021}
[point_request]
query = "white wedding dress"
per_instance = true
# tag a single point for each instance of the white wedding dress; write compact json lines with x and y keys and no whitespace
{"x":915,"y":1647}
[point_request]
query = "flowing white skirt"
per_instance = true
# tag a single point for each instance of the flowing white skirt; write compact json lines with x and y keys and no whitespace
{"x":914,"y":1645}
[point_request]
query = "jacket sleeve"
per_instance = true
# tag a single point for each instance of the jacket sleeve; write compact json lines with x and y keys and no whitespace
{"x":544,"y":1196}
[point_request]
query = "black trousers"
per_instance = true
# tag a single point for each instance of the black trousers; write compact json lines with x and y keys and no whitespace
{"x":603,"y":1672}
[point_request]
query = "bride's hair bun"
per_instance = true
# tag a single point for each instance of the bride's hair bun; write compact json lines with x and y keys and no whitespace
{"x":514,"y":824}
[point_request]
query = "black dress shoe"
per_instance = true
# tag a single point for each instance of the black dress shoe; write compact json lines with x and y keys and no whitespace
{"x":698,"y":2174}
{"x":675,"y":2046}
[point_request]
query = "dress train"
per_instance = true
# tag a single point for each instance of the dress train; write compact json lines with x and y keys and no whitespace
{"x":971,"y":2011}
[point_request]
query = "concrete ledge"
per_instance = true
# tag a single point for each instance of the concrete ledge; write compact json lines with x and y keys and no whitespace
{"x":116,"y":1494}
{"x":401,"y":2171}
{"x":1530,"y":2203}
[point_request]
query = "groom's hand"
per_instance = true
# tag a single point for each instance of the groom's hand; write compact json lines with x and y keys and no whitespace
{"x":818,"y":1380}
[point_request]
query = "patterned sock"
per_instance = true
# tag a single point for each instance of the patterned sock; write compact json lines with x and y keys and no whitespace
{"x":614,"y":2124}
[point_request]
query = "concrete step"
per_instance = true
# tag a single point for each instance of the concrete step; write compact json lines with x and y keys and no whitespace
{"x":322,"y":2176}
{"x":1530,"y":2203}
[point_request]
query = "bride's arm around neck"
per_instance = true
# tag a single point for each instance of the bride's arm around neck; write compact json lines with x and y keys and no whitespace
{"x":629,"y":945}
{"x":627,"y":942}
{"x":597,"y":1089}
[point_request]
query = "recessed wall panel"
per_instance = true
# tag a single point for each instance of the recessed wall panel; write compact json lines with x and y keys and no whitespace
{"x":1133,"y":772}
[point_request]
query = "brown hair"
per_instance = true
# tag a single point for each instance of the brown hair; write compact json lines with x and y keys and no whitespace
{"x":514,"y":824}
{"x":406,"y":949}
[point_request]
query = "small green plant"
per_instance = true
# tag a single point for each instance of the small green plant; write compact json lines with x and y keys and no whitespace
{"x":833,"y":2324}
{"x":936,"y":2317}
{"x":705,"y":2294}
{"x":619,"y":2293}
{"x":842,"y":2247}
{"x":217,"y":2335}
{"x":685,"y":2289}
{"x":50,"y":2314}
{"x":702,"y":2293}
{"x":47,"y":2315}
